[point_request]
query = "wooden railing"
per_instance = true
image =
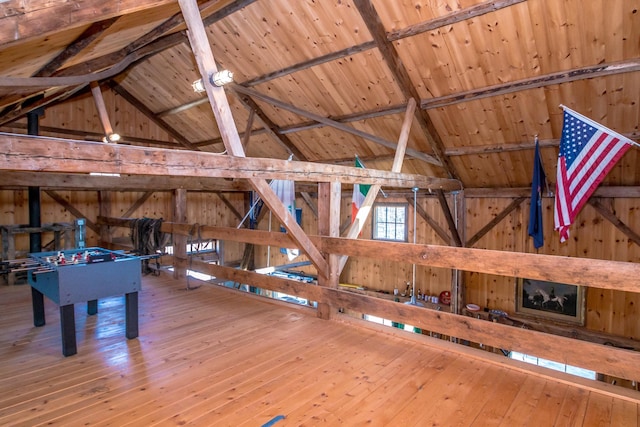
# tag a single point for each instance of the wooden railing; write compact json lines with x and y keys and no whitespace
{"x":604,"y":359}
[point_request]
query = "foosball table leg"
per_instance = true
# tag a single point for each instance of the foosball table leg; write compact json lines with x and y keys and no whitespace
{"x":37,"y":301}
{"x":92,"y":307}
{"x":68,"y":329}
{"x":131,"y":308}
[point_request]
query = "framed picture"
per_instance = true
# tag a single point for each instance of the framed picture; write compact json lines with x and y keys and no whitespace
{"x":551,"y":300}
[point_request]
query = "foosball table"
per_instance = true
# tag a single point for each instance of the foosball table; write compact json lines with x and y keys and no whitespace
{"x":78,"y":275}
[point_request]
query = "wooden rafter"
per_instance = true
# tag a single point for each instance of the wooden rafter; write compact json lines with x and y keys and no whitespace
{"x":396,"y":66}
{"x":41,"y":17}
{"x":269,"y":127}
{"x":329,"y":122}
{"x":78,"y":45}
{"x":150,"y":114}
{"x":220,"y":105}
{"x":229,"y":205}
{"x":589,"y":72}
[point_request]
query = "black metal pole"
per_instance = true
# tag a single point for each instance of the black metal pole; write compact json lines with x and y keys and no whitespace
{"x":35,"y":239}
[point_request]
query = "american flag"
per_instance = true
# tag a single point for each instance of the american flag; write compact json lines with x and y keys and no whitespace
{"x":588,"y":151}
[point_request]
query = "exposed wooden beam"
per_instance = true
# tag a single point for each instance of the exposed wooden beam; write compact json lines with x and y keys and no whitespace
{"x":41,"y":17}
{"x":138,"y":203}
{"x":484,"y":230}
{"x":87,"y":37}
{"x":514,"y":146}
{"x":365,"y":210}
{"x":229,"y":205}
{"x":599,"y":70}
{"x":432,"y":222}
{"x":247,"y":131}
{"x":76,"y":181}
{"x":613,"y":219}
{"x":452,"y":18}
{"x":226,"y":125}
{"x":103,"y":116}
{"x":403,"y":80}
{"x":621,"y":276}
{"x":352,"y":50}
{"x":75,"y":212}
{"x":602,"y":191}
{"x":309,"y":201}
{"x":151,"y":115}
{"x":329,"y":122}
{"x":29,"y":153}
{"x":270,"y":127}
{"x":95,"y":136}
{"x":449,"y":217}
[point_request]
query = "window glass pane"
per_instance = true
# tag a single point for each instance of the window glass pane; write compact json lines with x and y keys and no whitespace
{"x":390,"y":222}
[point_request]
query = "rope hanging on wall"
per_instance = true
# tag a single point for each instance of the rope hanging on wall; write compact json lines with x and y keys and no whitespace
{"x":146,"y":236}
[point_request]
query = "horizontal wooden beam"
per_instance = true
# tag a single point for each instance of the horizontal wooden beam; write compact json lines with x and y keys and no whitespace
{"x":595,"y":273}
{"x":28,"y":153}
{"x":602,"y":191}
{"x":615,"y":275}
{"x":86,"y":182}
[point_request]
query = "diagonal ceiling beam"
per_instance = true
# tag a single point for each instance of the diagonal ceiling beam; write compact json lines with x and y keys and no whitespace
{"x":220,"y":105}
{"x":329,"y":122}
{"x":41,"y":17}
{"x":271,"y":128}
{"x":87,"y":37}
{"x":386,"y":48}
{"x":151,"y":115}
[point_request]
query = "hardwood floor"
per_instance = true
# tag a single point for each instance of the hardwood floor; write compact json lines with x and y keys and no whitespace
{"x":215,"y":357}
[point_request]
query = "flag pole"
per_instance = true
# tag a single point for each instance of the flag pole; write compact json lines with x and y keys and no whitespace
{"x":546,"y":182}
{"x":597,"y":125}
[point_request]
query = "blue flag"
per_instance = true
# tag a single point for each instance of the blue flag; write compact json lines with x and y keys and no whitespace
{"x":535,"y":213}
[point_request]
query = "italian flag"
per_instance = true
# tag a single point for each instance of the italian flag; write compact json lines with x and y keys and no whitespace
{"x":359,"y":193}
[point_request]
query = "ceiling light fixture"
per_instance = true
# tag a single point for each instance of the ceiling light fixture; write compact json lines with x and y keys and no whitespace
{"x":218,"y":79}
{"x":112,"y":137}
{"x":198,"y":86}
{"x":221,"y":78}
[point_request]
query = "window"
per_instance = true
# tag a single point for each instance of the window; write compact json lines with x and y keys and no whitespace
{"x":550,"y":364}
{"x":390,"y":222}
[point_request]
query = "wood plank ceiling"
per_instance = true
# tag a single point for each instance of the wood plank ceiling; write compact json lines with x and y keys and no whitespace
{"x":327,"y":80}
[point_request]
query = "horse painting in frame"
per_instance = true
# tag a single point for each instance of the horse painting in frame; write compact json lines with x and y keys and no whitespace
{"x":551,"y":300}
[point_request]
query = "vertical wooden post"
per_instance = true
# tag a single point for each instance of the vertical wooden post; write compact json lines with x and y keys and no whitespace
{"x":179,"y":240}
{"x":104,"y":209}
{"x":457,"y":276}
{"x":329,"y":225}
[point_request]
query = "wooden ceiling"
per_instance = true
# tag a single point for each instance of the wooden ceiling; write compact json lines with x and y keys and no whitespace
{"x":325,"y":80}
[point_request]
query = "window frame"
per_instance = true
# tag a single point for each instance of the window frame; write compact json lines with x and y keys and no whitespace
{"x":375,"y":221}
